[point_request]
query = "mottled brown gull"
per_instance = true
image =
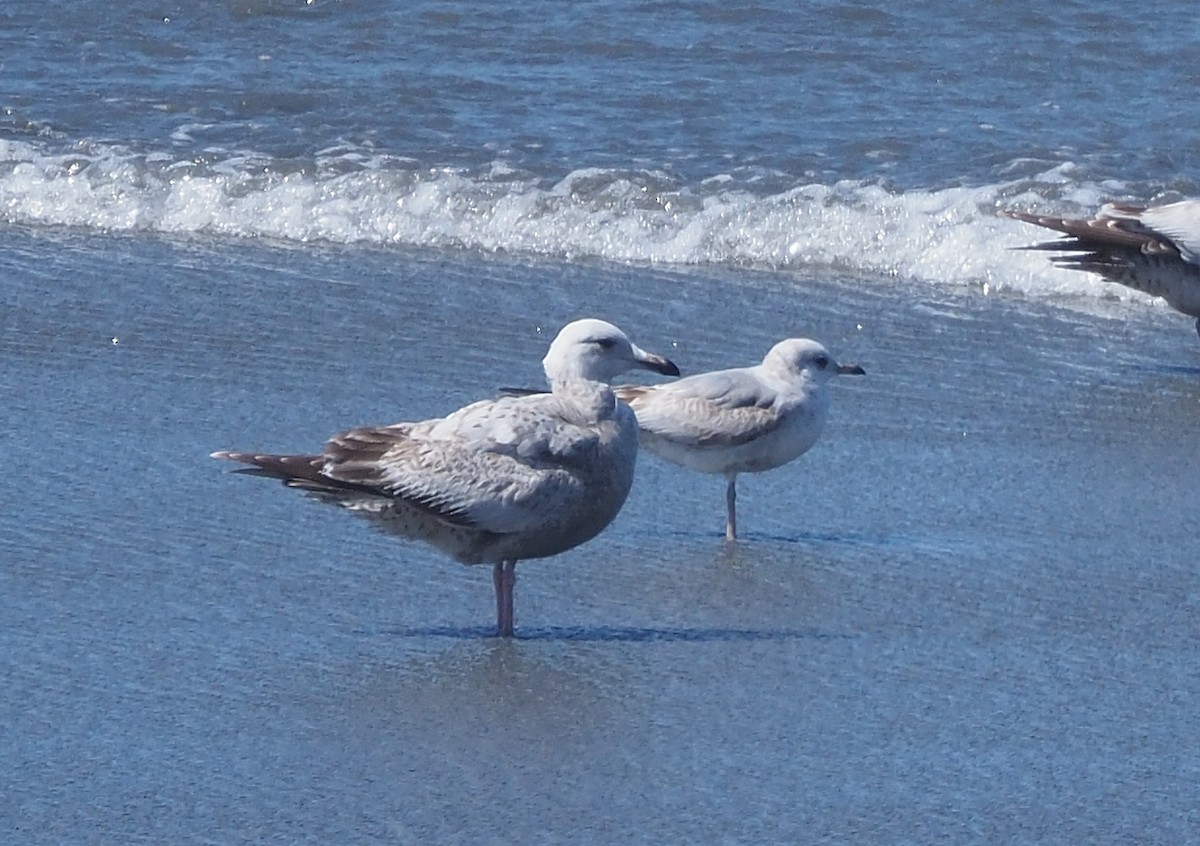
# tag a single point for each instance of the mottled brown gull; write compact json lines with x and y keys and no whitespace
{"x":743,"y":420}
{"x":1153,"y":249}
{"x":498,"y":480}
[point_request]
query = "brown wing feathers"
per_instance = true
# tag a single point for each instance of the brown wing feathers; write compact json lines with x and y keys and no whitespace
{"x":1094,"y":234}
{"x":357,"y":453}
{"x":355,"y":456}
{"x":295,"y":471}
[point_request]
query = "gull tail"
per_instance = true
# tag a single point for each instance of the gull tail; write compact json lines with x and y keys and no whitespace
{"x":295,"y":471}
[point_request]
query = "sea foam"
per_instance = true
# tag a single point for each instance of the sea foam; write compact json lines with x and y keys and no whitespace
{"x":946,"y":236}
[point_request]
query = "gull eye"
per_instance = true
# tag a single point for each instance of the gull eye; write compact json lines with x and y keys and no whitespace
{"x":822,"y":361}
{"x":606,"y":343}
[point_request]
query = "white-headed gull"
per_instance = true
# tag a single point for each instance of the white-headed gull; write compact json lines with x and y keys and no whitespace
{"x":744,"y":420}
{"x":498,"y":480}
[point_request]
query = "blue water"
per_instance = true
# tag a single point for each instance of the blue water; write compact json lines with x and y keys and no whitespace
{"x":923,"y":95}
{"x":878,"y":138}
{"x":970,"y":614}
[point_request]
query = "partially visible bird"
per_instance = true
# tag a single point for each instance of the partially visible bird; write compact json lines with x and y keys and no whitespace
{"x":498,"y":480}
{"x":1153,"y":249}
{"x":743,"y":420}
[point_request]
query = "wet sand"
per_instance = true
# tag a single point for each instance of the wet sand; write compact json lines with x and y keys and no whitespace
{"x":968,"y":615}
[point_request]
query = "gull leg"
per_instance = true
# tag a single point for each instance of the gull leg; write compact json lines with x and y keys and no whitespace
{"x":731,"y":507}
{"x":510,"y":579}
{"x":504,"y":576}
{"x":498,"y":584}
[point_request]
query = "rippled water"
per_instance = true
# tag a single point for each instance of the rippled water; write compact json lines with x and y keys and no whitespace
{"x":968,"y":615}
{"x":876,"y":139}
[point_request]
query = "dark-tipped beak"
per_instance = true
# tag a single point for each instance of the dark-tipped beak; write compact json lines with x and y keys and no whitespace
{"x":657,"y":363}
{"x":851,"y":370}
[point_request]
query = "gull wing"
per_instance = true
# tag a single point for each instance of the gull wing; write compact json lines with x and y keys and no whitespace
{"x":721,"y":408}
{"x":1151,"y":250}
{"x":487,"y":466}
{"x":1176,"y":224}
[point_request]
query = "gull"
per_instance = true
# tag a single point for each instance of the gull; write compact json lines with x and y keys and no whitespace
{"x":498,"y":480}
{"x":1152,"y":249}
{"x":743,"y":420}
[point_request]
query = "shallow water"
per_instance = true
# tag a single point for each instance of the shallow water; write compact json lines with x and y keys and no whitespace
{"x":968,"y":614}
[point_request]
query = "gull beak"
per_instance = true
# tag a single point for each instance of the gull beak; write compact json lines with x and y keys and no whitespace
{"x":850,"y":370}
{"x":657,"y":363}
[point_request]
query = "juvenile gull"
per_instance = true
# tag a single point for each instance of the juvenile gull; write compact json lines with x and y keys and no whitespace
{"x":1153,"y":249}
{"x":498,"y":480}
{"x":744,"y":420}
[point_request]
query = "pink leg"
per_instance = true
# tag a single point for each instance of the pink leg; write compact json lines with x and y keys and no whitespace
{"x":731,"y":508}
{"x":498,"y":584}
{"x":504,"y":576}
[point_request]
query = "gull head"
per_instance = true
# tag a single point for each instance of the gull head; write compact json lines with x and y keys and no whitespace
{"x":802,"y":358}
{"x":597,"y":351}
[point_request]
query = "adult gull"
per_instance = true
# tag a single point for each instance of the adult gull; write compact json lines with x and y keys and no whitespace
{"x":1153,"y":249}
{"x":743,"y":420}
{"x":498,"y":480}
